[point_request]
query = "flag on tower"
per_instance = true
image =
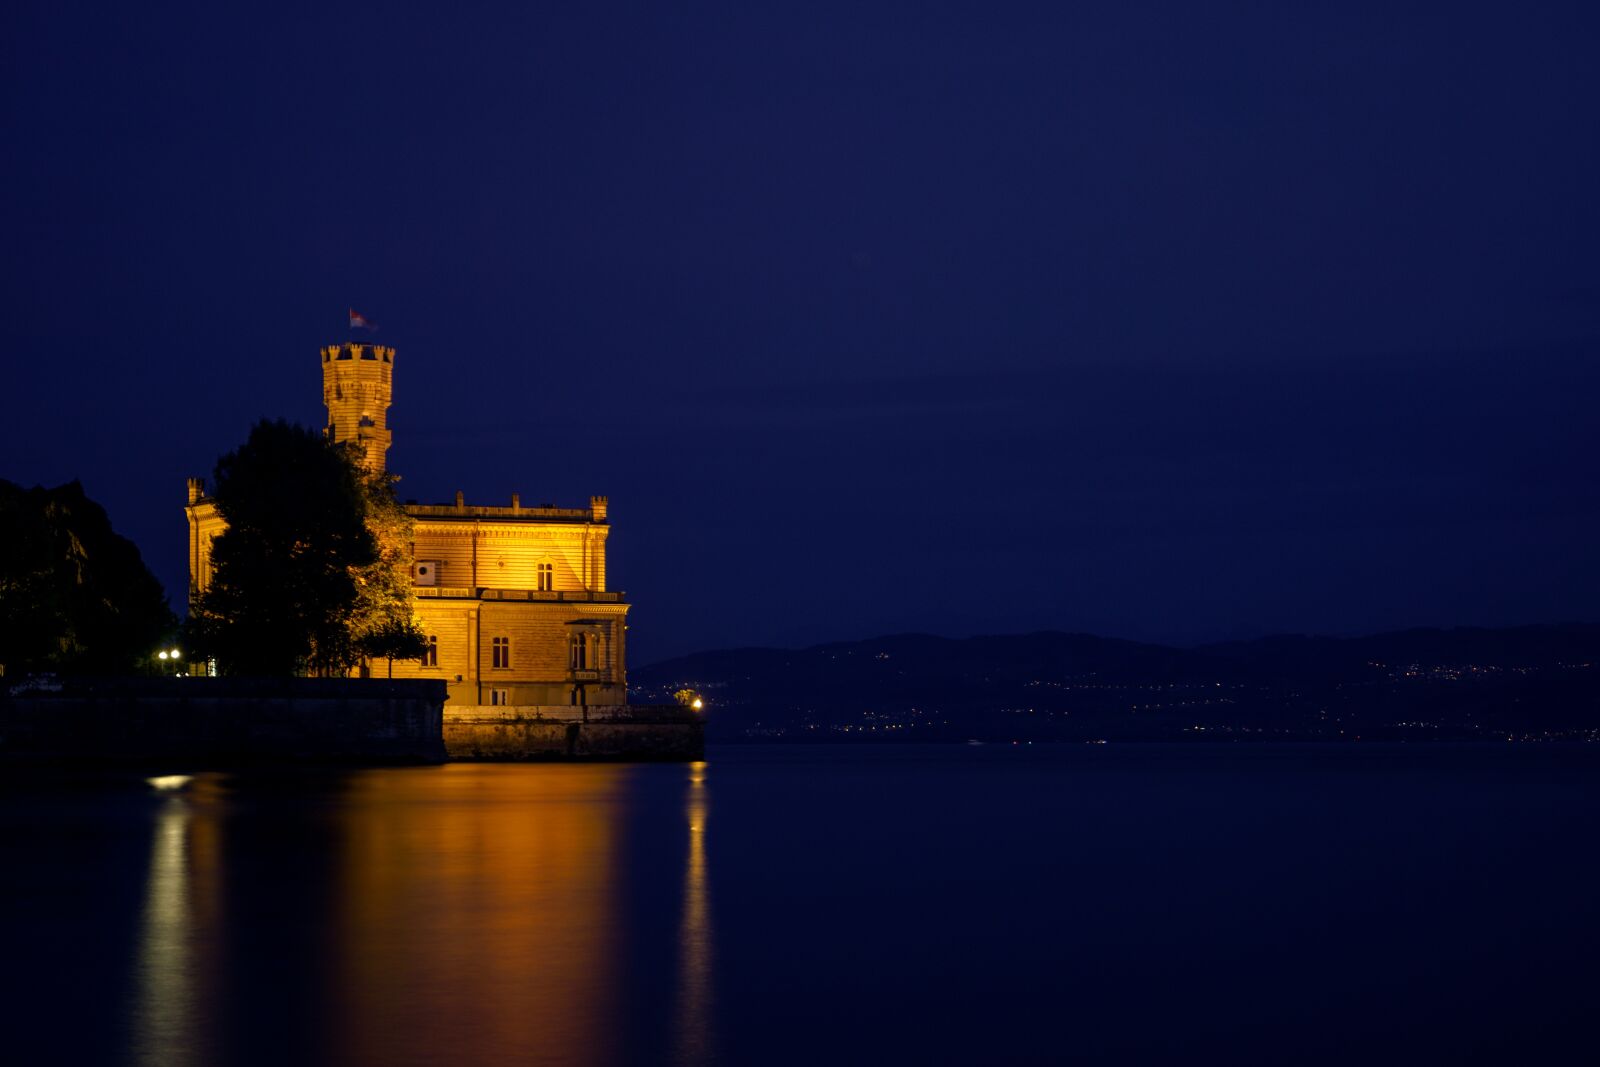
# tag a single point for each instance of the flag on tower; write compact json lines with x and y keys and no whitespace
{"x":359,"y":320}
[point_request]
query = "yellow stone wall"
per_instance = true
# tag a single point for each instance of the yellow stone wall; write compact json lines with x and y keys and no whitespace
{"x":493,"y":550}
{"x":539,"y":643}
{"x":204,"y":526}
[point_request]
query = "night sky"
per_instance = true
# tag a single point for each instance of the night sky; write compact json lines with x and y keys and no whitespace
{"x":1175,"y":321}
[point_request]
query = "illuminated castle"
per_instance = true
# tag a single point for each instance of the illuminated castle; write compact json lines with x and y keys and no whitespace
{"x":513,"y":600}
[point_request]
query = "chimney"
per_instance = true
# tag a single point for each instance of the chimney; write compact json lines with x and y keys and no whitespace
{"x":516,"y":501}
{"x":197,"y":489}
{"x":599,"y":505}
{"x":461,"y":501}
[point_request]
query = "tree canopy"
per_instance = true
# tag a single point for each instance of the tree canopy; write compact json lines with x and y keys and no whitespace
{"x":311,"y":574}
{"x":383,"y":626}
{"x":75,"y":597}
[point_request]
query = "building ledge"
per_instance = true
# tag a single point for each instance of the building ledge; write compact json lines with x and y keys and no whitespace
{"x":520,"y":514}
{"x":553,"y":596}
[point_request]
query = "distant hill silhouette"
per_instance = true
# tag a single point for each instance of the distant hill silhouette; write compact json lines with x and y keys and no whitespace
{"x":1530,"y":682}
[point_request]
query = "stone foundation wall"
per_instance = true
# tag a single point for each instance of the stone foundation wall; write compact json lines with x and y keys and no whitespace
{"x":562,"y":732}
{"x":206,"y":723}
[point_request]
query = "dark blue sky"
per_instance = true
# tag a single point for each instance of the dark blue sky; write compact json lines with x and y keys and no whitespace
{"x":1165,"y":320}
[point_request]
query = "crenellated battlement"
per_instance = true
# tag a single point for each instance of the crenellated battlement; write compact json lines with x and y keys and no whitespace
{"x":354,"y":353}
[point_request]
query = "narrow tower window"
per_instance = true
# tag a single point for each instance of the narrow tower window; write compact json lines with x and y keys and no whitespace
{"x":546,"y":574}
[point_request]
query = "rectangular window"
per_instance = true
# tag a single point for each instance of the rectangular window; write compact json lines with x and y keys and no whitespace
{"x":502,"y":652}
{"x":547,"y":577}
{"x":430,"y":657}
{"x":500,"y":697}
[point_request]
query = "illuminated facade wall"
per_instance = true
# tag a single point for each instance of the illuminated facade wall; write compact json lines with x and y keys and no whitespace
{"x":519,"y":605}
{"x":204,"y":526}
{"x":514,"y":599}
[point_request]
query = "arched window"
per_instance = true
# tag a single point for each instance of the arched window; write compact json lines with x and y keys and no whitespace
{"x":546,"y":574}
{"x":578,"y":655}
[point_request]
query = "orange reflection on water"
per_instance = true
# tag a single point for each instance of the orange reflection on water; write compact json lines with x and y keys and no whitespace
{"x":466,"y":914}
{"x":695,"y":957}
{"x":477,"y":913}
{"x":176,"y":973}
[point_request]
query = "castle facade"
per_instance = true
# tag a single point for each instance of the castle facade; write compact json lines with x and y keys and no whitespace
{"x":513,"y":600}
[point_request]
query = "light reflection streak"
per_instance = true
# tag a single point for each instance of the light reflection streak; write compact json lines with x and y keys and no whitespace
{"x":695,"y":942}
{"x":471,"y":909}
{"x":169,"y":1018}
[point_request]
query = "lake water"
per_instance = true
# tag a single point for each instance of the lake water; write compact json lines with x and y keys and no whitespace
{"x":820,"y":905}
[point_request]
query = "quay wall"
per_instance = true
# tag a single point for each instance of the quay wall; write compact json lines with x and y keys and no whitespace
{"x":635,"y":732}
{"x":204,"y":723}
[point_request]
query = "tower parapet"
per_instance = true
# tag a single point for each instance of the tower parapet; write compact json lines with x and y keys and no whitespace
{"x":357,"y":382}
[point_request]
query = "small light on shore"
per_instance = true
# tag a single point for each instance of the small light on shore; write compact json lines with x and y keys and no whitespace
{"x":168,"y":783}
{"x":161,"y":655}
{"x":698,"y":704}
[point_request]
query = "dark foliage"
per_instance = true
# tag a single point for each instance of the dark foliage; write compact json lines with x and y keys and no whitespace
{"x":284,"y":588}
{"x":75,"y":598}
{"x":394,"y":640}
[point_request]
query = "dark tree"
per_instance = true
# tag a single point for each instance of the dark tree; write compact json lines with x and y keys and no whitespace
{"x":394,"y":640}
{"x":284,"y":592}
{"x":75,"y":597}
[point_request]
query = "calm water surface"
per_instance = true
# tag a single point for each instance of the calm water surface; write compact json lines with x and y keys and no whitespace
{"x":1074,"y":904}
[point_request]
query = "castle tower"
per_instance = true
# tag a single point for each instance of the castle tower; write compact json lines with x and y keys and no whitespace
{"x":356,"y":384}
